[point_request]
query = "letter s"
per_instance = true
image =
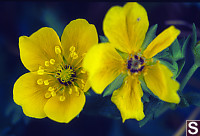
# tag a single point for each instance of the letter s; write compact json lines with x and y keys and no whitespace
{"x":192,"y":127}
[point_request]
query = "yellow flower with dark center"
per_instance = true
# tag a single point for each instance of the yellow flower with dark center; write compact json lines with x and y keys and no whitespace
{"x":126,"y":27}
{"x":56,"y":83}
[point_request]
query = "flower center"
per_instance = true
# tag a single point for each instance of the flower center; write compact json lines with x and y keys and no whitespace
{"x":66,"y":75}
{"x":135,"y":64}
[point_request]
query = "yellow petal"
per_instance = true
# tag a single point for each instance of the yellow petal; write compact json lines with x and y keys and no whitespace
{"x":126,"y":26}
{"x":64,"y":111}
{"x":30,"y":95}
{"x":159,"y":81}
{"x":38,"y":48}
{"x":78,"y":36}
{"x":128,"y":99}
{"x":162,"y":41}
{"x":103,"y":64}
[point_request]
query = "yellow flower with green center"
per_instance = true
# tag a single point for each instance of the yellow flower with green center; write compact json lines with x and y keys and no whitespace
{"x":56,"y":83}
{"x":126,"y":27}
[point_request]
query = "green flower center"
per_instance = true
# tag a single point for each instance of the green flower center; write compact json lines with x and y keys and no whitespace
{"x":66,"y":75}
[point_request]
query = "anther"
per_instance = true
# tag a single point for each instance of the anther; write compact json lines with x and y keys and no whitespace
{"x":76,"y":88}
{"x":39,"y":81}
{"x":41,"y":67}
{"x":47,"y":95}
{"x":40,"y":71}
{"x":83,"y":85}
{"x":57,"y":50}
{"x":53,"y":93}
{"x":62,"y":98}
{"x":75,"y":55}
{"x":52,"y":61}
{"x":70,"y":90}
{"x":46,"y":82}
{"x":46,"y":63}
{"x":72,"y":49}
{"x":82,"y":81}
{"x":50,"y":89}
{"x":83,"y":71}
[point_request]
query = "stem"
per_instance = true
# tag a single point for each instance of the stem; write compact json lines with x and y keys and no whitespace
{"x":188,"y":76}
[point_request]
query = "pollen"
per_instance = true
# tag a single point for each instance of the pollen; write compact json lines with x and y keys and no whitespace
{"x":39,"y":81}
{"x":47,"y":95}
{"x":46,"y":82}
{"x":52,"y":61}
{"x":46,"y":63}
{"x":57,"y":50}
{"x":62,"y":98}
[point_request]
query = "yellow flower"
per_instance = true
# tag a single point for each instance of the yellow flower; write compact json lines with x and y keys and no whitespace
{"x":126,"y":27}
{"x":56,"y":83}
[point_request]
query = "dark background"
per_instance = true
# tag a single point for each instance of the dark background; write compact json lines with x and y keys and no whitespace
{"x":24,"y":18}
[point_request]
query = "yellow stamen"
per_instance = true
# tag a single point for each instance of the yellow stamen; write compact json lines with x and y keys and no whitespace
{"x":82,"y":81}
{"x":47,"y":95}
{"x":50,"y":89}
{"x":70,"y":90}
{"x":53,"y":93}
{"x":83,"y":85}
{"x":46,"y":82}
{"x":40,"y":72}
{"x":62,"y":98}
{"x":75,"y":55}
{"x":72,"y":49}
{"x":52,"y":61}
{"x":83,"y":71}
{"x":46,"y":63}
{"x":57,"y":50}
{"x":39,"y":81}
{"x":41,"y":67}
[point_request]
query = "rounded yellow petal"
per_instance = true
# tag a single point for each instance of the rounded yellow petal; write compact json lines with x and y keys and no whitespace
{"x":103,"y":64}
{"x":78,"y":36}
{"x":29,"y":92}
{"x":159,"y":81}
{"x":38,"y":48}
{"x":126,"y":26}
{"x":64,"y":110}
{"x":128,"y":99}
{"x":162,"y":41}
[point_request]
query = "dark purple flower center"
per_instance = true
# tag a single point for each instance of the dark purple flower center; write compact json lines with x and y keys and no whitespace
{"x":135,"y":64}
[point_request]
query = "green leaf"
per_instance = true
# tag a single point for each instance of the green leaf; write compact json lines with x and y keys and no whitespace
{"x":153,"y":109}
{"x":114,"y":85}
{"x":175,"y":50}
{"x":103,"y":39}
{"x":185,"y":46}
{"x":194,"y":36}
{"x":150,"y":35}
{"x":193,"y":98}
{"x":181,"y":64}
{"x":196,"y":52}
{"x":183,"y":103}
